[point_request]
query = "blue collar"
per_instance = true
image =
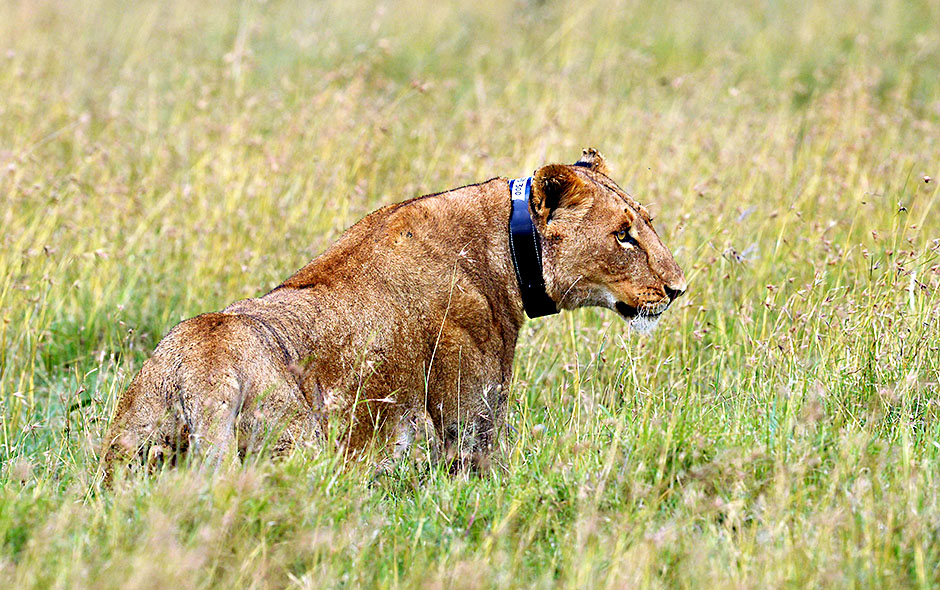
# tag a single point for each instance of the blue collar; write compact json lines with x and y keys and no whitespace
{"x":526,"y":252}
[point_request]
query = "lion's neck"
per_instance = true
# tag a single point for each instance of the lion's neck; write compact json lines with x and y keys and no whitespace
{"x":409,"y":267}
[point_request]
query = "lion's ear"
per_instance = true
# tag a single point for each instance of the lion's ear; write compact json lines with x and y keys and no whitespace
{"x":591,"y":158}
{"x":556,"y":188}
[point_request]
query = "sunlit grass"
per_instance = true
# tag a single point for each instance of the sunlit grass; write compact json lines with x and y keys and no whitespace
{"x":781,"y":428}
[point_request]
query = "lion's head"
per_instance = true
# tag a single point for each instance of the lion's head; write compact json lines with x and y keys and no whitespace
{"x":598,"y":244}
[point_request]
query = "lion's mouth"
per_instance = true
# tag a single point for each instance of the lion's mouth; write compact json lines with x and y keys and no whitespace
{"x":647,"y":311}
{"x":627,"y":311}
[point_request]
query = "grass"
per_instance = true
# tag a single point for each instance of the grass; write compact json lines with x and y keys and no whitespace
{"x":780,"y":429}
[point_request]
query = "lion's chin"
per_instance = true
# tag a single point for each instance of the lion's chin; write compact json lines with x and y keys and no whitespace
{"x":644,"y":324}
{"x":640,"y":321}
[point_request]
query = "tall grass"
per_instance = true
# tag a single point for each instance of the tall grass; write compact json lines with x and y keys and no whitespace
{"x":780,"y":429}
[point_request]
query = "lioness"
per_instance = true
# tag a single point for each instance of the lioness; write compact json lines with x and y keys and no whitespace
{"x":411,"y":316}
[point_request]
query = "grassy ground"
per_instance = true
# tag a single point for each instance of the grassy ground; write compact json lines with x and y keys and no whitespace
{"x":780,"y":429}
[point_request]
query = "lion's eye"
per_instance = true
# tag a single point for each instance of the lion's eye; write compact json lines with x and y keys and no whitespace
{"x":624,"y":237}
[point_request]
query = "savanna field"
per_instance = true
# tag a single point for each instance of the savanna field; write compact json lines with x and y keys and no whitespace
{"x":780,"y":428}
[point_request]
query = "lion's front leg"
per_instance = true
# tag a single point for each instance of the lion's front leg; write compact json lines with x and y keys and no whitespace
{"x":467,"y":395}
{"x":411,"y":436}
{"x":469,"y":440}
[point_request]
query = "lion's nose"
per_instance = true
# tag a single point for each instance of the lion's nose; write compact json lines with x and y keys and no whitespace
{"x":673,"y":293}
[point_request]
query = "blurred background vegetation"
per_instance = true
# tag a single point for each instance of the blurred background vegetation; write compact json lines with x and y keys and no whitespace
{"x":781,"y":428}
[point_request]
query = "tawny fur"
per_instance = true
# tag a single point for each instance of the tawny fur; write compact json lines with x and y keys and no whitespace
{"x":410,"y":318}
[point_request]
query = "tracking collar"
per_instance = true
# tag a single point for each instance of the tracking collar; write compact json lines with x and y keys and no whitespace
{"x":526,"y":252}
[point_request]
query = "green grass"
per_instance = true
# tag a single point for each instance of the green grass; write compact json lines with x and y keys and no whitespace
{"x":780,"y":429}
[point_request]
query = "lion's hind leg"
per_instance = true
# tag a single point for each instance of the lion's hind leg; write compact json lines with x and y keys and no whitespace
{"x":277,"y":420}
{"x":211,"y":408}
